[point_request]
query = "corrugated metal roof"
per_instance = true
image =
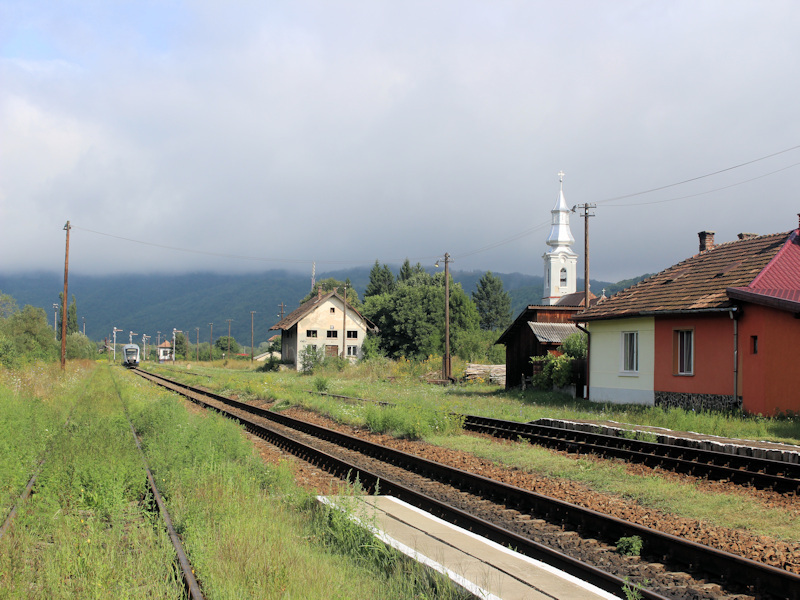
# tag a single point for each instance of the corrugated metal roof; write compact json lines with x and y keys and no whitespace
{"x":552,"y":333}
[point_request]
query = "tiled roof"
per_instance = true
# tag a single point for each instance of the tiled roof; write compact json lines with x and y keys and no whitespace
{"x":697,"y":283}
{"x":552,"y":333}
{"x":307,"y":307}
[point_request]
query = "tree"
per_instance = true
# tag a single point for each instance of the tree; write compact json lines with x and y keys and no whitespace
{"x":222,"y":344}
{"x":411,"y":317}
{"x":492,"y":302}
{"x":381,"y":281}
{"x":181,"y":344}
{"x":28,"y":336}
{"x":72,"y":317}
{"x":407,"y":271}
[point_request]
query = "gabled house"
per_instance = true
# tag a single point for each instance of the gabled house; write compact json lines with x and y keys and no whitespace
{"x":716,"y":331}
{"x":326,"y":323}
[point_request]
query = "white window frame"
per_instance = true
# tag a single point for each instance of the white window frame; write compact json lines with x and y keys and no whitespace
{"x":352,"y":351}
{"x":681,"y":358}
{"x":628,"y":339}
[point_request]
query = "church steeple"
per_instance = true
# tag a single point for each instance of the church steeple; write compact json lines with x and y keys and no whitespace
{"x":560,"y":262}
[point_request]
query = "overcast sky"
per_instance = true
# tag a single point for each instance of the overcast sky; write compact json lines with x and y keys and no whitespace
{"x":344,"y":132}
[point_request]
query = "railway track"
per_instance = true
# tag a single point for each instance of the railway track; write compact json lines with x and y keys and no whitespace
{"x":763,"y":473}
{"x":574,"y":539}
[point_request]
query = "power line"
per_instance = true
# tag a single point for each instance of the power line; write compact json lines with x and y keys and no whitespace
{"x":708,"y":191}
{"x":664,"y":187}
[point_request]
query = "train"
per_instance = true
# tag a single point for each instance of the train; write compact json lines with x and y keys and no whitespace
{"x":130,"y":355}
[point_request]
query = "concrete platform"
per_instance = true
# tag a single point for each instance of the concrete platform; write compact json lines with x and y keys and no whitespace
{"x":480,"y":566}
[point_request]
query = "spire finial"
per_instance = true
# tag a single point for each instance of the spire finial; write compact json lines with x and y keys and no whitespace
{"x":561,"y":177}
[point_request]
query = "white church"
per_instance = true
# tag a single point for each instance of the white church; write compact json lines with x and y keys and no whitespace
{"x":542,"y":327}
{"x":560,"y":261}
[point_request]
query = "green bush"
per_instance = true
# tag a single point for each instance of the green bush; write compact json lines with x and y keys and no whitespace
{"x":310,"y":358}
{"x":575,"y":345}
{"x":556,"y":371}
{"x":630,"y":546}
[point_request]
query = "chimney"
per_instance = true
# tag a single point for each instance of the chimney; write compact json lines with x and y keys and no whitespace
{"x":747,"y":236}
{"x":706,"y":240}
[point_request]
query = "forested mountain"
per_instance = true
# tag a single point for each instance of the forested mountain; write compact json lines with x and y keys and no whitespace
{"x":151,"y":303}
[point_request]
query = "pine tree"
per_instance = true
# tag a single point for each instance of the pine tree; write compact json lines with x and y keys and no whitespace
{"x":381,"y":281}
{"x":72,"y":317}
{"x":493,"y":303}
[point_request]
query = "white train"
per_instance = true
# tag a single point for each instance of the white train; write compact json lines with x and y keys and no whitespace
{"x":130,"y":355}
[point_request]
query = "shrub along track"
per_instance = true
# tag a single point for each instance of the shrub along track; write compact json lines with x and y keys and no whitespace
{"x":474,"y":495}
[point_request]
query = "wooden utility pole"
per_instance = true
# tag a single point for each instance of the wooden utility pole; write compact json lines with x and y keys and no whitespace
{"x":447,"y":372}
{"x":252,"y":339}
{"x":197,"y":345}
{"x":229,"y":336}
{"x":211,"y":344}
{"x":586,"y":214}
{"x":64,"y":304}
{"x":344,"y":324}
{"x":281,"y":306}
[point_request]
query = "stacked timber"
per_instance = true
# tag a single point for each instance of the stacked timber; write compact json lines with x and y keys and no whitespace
{"x":494,"y":373}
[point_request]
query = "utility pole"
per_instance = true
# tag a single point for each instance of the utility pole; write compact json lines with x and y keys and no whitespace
{"x":115,"y":343}
{"x":55,"y":322}
{"x":229,"y":336}
{"x":211,"y":344}
{"x":586,"y":208}
{"x":64,"y":312}
{"x":84,"y":326}
{"x":447,"y":373}
{"x":252,"y":340}
{"x":197,"y":345}
{"x":145,"y":337}
{"x":281,"y":306}
{"x":586,"y":214}
{"x":344,"y":324}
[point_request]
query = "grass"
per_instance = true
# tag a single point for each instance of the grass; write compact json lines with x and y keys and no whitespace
{"x":85,"y":533}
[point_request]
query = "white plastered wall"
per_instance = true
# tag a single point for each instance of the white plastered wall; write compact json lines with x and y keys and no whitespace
{"x":323,"y":320}
{"x":607,"y":380}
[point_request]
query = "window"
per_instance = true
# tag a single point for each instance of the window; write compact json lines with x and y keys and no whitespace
{"x":311,"y":333}
{"x":352,"y":351}
{"x":333,"y":310}
{"x":630,"y":351}
{"x":753,"y":344}
{"x":563,"y":277}
{"x":684,"y":351}
{"x":352,"y":334}
{"x":333,"y":334}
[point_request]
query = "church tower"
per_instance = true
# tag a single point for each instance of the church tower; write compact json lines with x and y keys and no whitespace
{"x":560,"y":262}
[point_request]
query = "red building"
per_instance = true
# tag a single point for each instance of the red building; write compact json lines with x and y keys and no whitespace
{"x":718,"y":330}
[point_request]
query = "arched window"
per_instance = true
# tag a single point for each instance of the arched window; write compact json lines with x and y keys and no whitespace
{"x":563,"y":278}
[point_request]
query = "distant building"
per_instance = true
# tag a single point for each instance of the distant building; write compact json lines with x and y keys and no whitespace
{"x":326,"y":323}
{"x":164,"y":350}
